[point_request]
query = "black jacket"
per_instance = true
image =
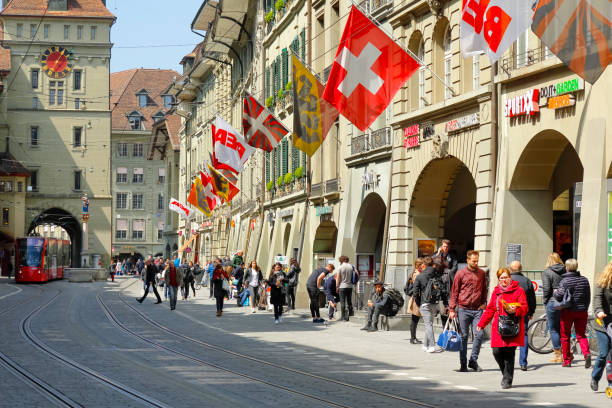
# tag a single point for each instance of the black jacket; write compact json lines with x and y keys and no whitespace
{"x":550,"y":280}
{"x":239,"y":274}
{"x":579,"y":287}
{"x":526,"y":284}
{"x":151,"y":271}
{"x":293,"y":275}
{"x":380,"y":300}
{"x":420,"y":283}
{"x":602,"y":299}
{"x":247,"y":276}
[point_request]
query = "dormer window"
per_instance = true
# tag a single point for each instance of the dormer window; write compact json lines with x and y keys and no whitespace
{"x":158,"y":116}
{"x":143,"y":97}
{"x":168,"y":101}
{"x":135,"y":119}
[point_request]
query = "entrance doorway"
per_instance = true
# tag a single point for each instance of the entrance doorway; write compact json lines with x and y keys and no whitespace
{"x":67,"y":222}
{"x":324,"y":246}
{"x":369,"y":231}
{"x":547,"y":182}
{"x":286,"y":239}
{"x":443,"y":205}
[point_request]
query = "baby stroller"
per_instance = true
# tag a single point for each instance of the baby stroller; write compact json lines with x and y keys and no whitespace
{"x":263,"y":297}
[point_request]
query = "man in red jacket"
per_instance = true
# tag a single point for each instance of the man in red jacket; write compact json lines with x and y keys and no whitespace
{"x":468,"y":300}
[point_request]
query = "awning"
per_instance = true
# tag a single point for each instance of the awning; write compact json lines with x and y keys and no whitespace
{"x":186,"y":244}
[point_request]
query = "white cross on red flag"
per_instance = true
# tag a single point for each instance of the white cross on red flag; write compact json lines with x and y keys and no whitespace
{"x":230,"y":150}
{"x":261,"y":129}
{"x":369,"y":69}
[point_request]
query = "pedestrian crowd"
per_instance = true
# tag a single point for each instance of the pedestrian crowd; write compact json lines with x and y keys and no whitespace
{"x":436,"y":287}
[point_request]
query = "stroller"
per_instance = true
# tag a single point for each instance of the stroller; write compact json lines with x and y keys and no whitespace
{"x":263,"y":297}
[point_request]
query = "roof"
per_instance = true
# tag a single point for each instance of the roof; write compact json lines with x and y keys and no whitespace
{"x":76,"y":8}
{"x":5,"y":53}
{"x":10,"y":166}
{"x":125,"y":86}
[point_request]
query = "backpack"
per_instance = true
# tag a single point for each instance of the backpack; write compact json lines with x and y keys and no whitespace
{"x":355,"y":277}
{"x":433,"y":291}
{"x":396,"y":301}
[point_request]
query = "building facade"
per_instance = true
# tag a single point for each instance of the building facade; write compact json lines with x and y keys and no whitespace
{"x":58,"y":116}
{"x":139,"y":182}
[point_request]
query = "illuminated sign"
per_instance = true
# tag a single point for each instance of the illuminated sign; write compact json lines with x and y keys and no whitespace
{"x":565,"y":87}
{"x":527,"y":104}
{"x":561,"y":101}
{"x":462,"y":123}
{"x":411,"y":136}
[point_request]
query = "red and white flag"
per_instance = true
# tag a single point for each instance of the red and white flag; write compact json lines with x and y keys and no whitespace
{"x":492,"y":26}
{"x":230,"y":150}
{"x":261,"y":129}
{"x":368,"y":71}
{"x":184,"y":211}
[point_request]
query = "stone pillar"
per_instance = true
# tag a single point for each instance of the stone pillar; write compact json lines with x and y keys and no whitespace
{"x":593,"y":238}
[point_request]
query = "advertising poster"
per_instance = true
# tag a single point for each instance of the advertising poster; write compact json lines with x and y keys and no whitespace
{"x":426,"y":247}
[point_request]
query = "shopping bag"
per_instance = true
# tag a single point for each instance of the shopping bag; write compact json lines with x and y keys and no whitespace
{"x":225,"y":285}
{"x":449,"y":339}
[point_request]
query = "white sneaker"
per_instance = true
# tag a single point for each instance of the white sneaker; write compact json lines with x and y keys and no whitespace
{"x":431,"y":350}
{"x":276,"y":321}
{"x":253,"y":310}
{"x":280,"y":319}
{"x":424,"y":348}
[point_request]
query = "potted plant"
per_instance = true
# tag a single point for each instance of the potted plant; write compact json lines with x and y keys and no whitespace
{"x":299,"y":175}
{"x":288,"y":179}
{"x":279,"y":98}
{"x":270,"y":101}
{"x":280,"y":9}
{"x":270,"y":17}
{"x":279,"y":181}
{"x":288,"y":94}
{"x":270,"y":189}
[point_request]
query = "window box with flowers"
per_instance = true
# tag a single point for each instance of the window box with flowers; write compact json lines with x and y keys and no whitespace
{"x":280,"y":104}
{"x":280,"y":9}
{"x":299,"y":178}
{"x":270,"y":189}
{"x":288,"y":179}
{"x":288,"y":95}
{"x":270,"y":101}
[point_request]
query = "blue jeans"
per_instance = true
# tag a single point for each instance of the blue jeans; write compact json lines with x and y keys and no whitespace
{"x":603,"y":340}
{"x":525,"y":348}
{"x":553,"y":321}
{"x":467,"y":318}
{"x":165,"y":291}
{"x":172,"y":292}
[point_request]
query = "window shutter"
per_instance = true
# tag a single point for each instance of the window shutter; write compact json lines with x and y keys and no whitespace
{"x":285,"y":151}
{"x":303,"y":34}
{"x":277,"y":162}
{"x":295,"y":158}
{"x":295,"y":46}
{"x":278,"y":75}
{"x":304,"y":161}
{"x":267,"y":163}
{"x":285,"y":68}
{"x":267,"y":82}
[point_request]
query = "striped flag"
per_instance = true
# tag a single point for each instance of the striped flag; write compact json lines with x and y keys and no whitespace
{"x":261,"y":129}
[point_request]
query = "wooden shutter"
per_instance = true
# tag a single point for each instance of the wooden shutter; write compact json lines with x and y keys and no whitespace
{"x":267,"y":82}
{"x":285,"y":156}
{"x":303,"y":35}
{"x":267,"y":164}
{"x":285,"y":68}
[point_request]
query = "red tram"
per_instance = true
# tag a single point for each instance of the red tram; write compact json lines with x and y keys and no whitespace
{"x":41,"y":259}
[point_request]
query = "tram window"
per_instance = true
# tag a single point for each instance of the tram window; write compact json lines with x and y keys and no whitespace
{"x":5,"y":216}
{"x":30,"y":251}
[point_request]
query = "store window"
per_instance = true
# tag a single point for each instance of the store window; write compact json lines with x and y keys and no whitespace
{"x":5,"y":216}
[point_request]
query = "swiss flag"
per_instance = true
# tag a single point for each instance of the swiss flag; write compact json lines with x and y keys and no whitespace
{"x":368,"y":71}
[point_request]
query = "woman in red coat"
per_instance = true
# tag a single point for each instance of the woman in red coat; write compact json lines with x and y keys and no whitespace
{"x":510,"y":300}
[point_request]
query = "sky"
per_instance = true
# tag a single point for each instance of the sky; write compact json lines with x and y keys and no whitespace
{"x":147,"y":32}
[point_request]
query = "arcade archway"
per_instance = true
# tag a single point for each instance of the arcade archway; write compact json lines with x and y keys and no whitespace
{"x":286,"y":236}
{"x":443,"y":205}
{"x":324,"y":245}
{"x":369,"y":231}
{"x":66,"y":221}
{"x":546,"y":183}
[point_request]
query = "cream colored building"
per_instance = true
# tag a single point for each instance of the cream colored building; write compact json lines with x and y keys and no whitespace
{"x":58,"y":116}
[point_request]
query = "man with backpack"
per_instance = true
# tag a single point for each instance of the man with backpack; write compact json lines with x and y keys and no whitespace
{"x":379,"y":304}
{"x":428,"y":291}
{"x":468,"y":301}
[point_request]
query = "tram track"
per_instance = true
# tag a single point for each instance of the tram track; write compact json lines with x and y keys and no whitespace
{"x":252,"y":359}
{"x":26,"y":332}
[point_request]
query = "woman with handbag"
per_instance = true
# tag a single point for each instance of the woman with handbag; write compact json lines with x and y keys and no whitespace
{"x":413,"y":308}
{"x":220,"y":286}
{"x":276,"y":280}
{"x":507,"y":307}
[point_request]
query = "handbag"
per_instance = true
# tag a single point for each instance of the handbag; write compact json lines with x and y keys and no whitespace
{"x":225,"y":285}
{"x":566,"y":303}
{"x":507,"y":326}
{"x":413,"y":308}
{"x":449,"y":339}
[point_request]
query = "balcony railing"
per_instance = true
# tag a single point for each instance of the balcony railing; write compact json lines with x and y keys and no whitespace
{"x":371,"y":141}
{"x":316,"y":190}
{"x":373,"y":6}
{"x":525,"y":59}
{"x":331,"y":186}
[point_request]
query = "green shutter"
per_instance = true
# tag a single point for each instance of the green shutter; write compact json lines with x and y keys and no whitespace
{"x":285,"y":151}
{"x":267,"y":163}
{"x":303,"y":34}
{"x":295,"y":158}
{"x":267,"y":82}
{"x":295,"y":46}
{"x":278,"y":75}
{"x":285,"y":68}
{"x":304,"y":158}
{"x":277,"y":163}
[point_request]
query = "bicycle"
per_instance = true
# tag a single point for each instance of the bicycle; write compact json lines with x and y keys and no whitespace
{"x":538,"y":337}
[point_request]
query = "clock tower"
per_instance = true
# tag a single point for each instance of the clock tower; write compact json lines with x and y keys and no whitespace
{"x":55,"y":104}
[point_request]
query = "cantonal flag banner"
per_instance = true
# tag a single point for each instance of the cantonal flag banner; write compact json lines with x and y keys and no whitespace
{"x":261,"y":129}
{"x":230,"y":150}
{"x":492,"y":26}
{"x":369,"y":69}
{"x":180,"y":208}
{"x":313,"y":116}
{"x":221,"y":186}
{"x":228,"y":174}
{"x":198,"y":198}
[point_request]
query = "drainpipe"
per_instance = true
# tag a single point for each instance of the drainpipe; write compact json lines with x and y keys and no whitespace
{"x":494,"y":139}
{"x":385,"y":244}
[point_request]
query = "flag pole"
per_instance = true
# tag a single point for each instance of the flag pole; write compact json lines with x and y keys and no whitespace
{"x":416,"y":58}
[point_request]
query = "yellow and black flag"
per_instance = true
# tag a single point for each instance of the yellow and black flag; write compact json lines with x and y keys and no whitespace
{"x":221,"y":186}
{"x":312,"y":116}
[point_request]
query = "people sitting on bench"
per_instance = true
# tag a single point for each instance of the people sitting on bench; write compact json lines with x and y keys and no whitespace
{"x":377,"y":305}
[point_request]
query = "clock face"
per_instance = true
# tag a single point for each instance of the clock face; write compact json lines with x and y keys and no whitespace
{"x":55,"y":62}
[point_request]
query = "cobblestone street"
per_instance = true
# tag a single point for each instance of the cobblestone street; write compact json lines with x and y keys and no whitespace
{"x":95,"y":346}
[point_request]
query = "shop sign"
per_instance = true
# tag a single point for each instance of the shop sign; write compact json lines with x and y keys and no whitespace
{"x":462,"y":123}
{"x":565,"y":87}
{"x":411,"y":136}
{"x":206,"y":224}
{"x":527,"y":104}
{"x":370,"y":179}
{"x":561,"y":101}
{"x":287,"y":213}
{"x":513,"y":253}
{"x":322,"y":210}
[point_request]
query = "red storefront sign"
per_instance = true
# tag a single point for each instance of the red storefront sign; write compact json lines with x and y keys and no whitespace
{"x":411,"y":136}
{"x":527,"y":104}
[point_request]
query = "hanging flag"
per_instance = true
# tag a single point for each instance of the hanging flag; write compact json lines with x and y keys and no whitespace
{"x":261,"y":129}
{"x":313,"y":116}
{"x":199,"y":199}
{"x":221,"y":186}
{"x":493,"y":26}
{"x":229,"y":175}
{"x":368,"y":71}
{"x":579,"y":32}
{"x":180,"y":208}
{"x":230,"y":150}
